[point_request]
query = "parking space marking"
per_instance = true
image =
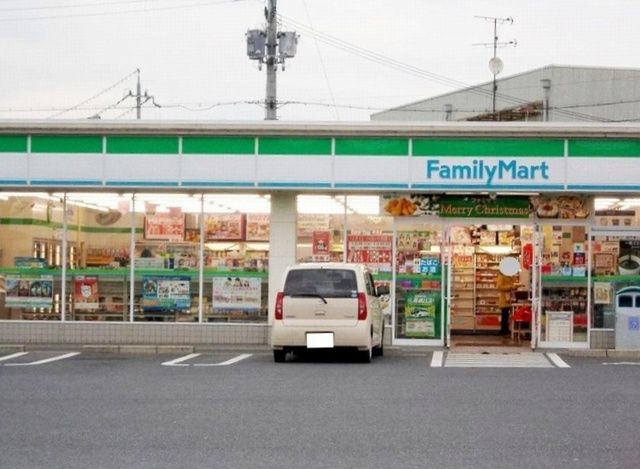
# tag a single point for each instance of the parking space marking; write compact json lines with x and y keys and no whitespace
{"x":13,"y":355}
{"x":437,"y":359}
{"x":623,"y":363}
{"x":177,"y":361}
{"x":499,"y":360}
{"x":557,"y":361}
{"x":228,"y":362}
{"x":46,"y":360}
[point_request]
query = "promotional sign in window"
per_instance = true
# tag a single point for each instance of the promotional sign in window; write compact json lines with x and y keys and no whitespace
{"x":372,"y":250}
{"x":236,"y":293}
{"x":85,"y":293}
{"x":421,"y":313}
{"x":321,"y":242}
{"x":164,"y":227}
{"x":29,"y":292}
{"x":165,"y":294}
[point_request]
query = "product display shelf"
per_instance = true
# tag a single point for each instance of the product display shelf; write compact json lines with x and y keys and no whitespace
{"x":487,"y":311}
{"x":463,"y":298}
{"x":567,"y":296}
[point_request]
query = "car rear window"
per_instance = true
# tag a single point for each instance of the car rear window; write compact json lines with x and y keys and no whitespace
{"x":329,"y":283}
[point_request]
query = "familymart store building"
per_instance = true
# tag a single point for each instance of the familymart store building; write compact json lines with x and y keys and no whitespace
{"x":177,"y":233}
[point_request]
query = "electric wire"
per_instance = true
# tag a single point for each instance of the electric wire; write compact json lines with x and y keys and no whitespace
{"x":415,"y":71}
{"x":72,"y":108}
{"x":76,"y":5}
{"x":121,"y":12}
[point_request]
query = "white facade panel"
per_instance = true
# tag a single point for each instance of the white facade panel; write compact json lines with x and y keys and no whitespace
{"x":81,"y":167}
{"x":371,"y":169}
{"x":218,"y":168}
{"x":305,"y":170}
{"x":604,"y":172}
{"x":144,"y":168}
{"x":13,"y":167}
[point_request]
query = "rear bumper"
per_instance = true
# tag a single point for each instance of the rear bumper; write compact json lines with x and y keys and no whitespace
{"x":343,"y":336}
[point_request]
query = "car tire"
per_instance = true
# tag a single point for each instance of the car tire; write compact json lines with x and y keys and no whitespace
{"x":279,"y":356}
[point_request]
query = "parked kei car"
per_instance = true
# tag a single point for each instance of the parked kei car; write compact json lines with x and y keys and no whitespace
{"x":325,"y":306}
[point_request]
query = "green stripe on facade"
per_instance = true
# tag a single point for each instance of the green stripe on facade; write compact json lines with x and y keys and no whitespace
{"x":488,"y":147}
{"x":13,"y":143}
{"x":294,"y":146}
{"x":218,"y":145}
{"x":66,"y":144}
{"x":604,"y":148}
{"x":143,"y":145}
{"x":372,"y":146}
{"x":71,"y":227}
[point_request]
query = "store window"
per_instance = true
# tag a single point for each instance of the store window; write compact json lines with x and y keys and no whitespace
{"x":564,"y":284}
{"x":616,"y":265}
{"x":320,"y":228}
{"x":31,"y":255}
{"x":194,"y":257}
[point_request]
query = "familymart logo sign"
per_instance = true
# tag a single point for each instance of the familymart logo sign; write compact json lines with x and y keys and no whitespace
{"x":489,"y":173}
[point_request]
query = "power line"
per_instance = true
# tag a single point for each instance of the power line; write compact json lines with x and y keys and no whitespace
{"x":72,"y":108}
{"x":415,"y":71}
{"x":77,"y":5}
{"x":122,"y":12}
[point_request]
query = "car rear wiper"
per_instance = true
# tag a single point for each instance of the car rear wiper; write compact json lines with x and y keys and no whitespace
{"x":309,"y":295}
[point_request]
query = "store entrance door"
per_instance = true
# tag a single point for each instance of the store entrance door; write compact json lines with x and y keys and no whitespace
{"x":418,"y":301}
{"x":489,"y":287}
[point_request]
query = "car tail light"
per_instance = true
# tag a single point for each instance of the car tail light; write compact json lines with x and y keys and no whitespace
{"x":362,"y":307}
{"x":279,"y":300}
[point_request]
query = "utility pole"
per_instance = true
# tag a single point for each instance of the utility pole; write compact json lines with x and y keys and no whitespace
{"x":495,"y":64}
{"x":271,"y":47}
{"x":139,"y":97}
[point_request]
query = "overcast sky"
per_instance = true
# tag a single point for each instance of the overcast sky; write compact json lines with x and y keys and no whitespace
{"x":57,"y":55}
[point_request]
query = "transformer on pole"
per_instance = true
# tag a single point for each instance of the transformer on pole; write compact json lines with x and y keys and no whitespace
{"x":271,"y":47}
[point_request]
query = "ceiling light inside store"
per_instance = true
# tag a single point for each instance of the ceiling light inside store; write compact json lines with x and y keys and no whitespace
{"x":496,"y":249}
{"x":606,"y":203}
{"x":325,"y":204}
{"x":629,"y":203}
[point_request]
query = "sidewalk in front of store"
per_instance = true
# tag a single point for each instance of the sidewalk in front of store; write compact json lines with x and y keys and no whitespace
{"x":265,"y":349}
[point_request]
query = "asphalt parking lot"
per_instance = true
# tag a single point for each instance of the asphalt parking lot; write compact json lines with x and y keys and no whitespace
{"x":239,"y":409}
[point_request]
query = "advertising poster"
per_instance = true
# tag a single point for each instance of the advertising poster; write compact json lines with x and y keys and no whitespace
{"x":165,"y":294}
{"x":602,"y":293}
{"x":257,"y":227}
{"x":321,"y":242}
{"x":164,"y":227}
{"x":559,"y":326}
{"x":372,"y":250}
{"x":237,"y":293}
{"x":85,"y":292}
{"x":309,"y":222}
{"x":29,"y":292}
{"x":224,"y":227}
{"x":422,"y":316}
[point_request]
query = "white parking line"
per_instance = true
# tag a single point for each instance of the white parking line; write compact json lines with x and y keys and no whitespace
{"x":623,"y":363}
{"x":13,"y":355}
{"x":177,"y":361}
{"x":557,"y":361}
{"x":46,"y":360}
{"x":436,"y":359}
{"x":228,"y":362}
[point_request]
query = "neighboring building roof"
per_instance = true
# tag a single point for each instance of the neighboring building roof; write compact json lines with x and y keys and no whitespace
{"x":576,"y":93}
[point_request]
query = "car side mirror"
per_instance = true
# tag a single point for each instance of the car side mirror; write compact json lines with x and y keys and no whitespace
{"x":382,"y":290}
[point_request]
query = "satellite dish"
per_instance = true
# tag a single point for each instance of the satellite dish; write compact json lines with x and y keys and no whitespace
{"x":509,"y":266}
{"x":496,"y":65}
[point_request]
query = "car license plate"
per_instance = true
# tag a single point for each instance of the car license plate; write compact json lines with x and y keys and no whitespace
{"x":320,"y":340}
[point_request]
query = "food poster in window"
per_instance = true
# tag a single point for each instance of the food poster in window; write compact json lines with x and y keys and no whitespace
{"x":257,"y":227}
{"x":29,"y":291}
{"x":85,"y":292}
{"x":422,"y":315}
{"x":224,"y":227}
{"x":166,"y":294}
{"x":629,"y":260}
{"x":165,"y":227}
{"x":237,"y":293}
